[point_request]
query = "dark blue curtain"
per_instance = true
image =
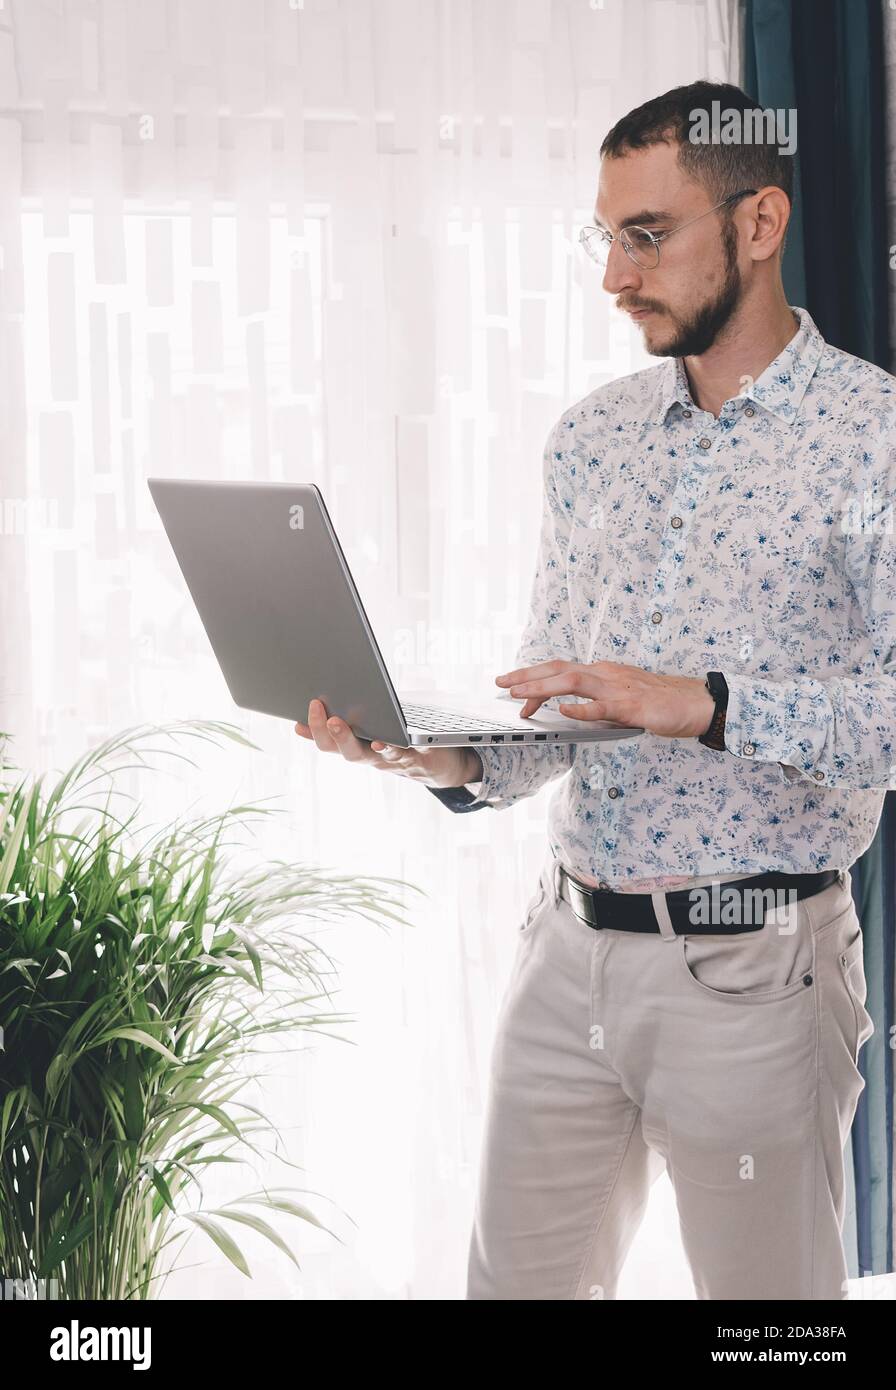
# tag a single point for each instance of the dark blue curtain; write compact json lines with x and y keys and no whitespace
{"x":825,"y":59}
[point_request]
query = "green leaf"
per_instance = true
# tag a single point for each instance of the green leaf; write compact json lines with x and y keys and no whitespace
{"x":137,"y":1035}
{"x":224,"y":1242}
{"x":253,"y":955}
{"x":161,"y":1187}
{"x":55,"y":1073}
{"x":262,"y":1227}
{"x":14,"y":844}
{"x":19,"y":965}
{"x":56,"y":1189}
{"x":213,"y":1111}
{"x":292,"y":1208}
{"x":63,"y":1244}
{"x":134,"y":1119}
{"x":13,"y":1105}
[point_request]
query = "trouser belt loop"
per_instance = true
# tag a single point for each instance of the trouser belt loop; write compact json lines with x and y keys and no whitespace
{"x":661,"y":909}
{"x":556,"y":879}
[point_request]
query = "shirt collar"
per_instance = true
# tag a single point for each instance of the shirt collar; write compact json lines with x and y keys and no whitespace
{"x":781,"y":387}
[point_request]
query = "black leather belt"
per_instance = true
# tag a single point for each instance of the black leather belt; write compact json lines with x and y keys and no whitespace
{"x":711,"y":910}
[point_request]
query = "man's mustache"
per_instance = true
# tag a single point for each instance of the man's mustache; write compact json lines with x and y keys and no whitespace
{"x":628,"y":305}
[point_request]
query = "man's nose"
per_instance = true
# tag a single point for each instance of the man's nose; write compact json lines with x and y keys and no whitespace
{"x":621,"y":273}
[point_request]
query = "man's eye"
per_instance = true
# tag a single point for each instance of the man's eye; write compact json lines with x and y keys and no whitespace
{"x":637,"y":237}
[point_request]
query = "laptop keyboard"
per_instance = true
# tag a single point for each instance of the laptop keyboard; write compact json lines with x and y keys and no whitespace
{"x":446,"y":721}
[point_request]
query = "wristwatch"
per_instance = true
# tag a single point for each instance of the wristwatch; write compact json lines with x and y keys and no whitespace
{"x":715,"y":734}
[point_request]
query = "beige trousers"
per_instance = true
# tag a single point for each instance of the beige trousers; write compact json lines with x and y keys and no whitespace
{"x":729,"y":1060}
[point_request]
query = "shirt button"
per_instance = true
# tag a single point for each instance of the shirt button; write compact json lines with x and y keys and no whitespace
{"x":818,"y":775}
{"x":613,"y":791}
{"x":750,"y":411}
{"x":676,"y":522}
{"x":705,"y":443}
{"x":686,"y":414}
{"x":749,"y":749}
{"x":656,"y":617}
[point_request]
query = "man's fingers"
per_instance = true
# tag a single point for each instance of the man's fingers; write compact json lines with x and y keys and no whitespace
{"x":574,"y":682}
{"x":603,"y":701}
{"x":620,"y":711}
{"x":351,"y":748}
{"x":333,"y":735}
{"x":317,"y":723}
{"x":595,"y":709}
{"x":388,"y":758}
{"x":531,"y":673}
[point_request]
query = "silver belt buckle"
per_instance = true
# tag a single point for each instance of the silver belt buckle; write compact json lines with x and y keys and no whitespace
{"x":581,"y":902}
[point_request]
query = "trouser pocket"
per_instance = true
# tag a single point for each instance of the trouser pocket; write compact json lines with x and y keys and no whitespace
{"x":764,"y":966}
{"x":536,"y":902}
{"x":851,"y":960}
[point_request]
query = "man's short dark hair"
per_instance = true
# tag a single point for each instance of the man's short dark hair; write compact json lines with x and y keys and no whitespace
{"x":722,"y":169}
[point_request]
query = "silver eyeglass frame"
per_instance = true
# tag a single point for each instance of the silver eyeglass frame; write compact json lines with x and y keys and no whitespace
{"x":605,"y":241}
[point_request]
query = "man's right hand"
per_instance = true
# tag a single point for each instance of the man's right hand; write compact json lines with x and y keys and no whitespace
{"x":434,"y":767}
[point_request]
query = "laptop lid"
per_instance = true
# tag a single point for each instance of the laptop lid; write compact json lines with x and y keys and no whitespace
{"x":273,"y":590}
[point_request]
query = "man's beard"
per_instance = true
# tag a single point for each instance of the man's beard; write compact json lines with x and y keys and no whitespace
{"x":695,"y":335}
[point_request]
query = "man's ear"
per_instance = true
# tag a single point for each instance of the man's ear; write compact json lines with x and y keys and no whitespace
{"x":771,"y":216}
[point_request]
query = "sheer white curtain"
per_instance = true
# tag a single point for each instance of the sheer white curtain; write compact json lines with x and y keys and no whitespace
{"x":328,"y":241}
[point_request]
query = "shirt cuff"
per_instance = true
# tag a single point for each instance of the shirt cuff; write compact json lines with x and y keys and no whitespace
{"x":473,"y":796}
{"x":756,"y":729}
{"x":460,"y":798}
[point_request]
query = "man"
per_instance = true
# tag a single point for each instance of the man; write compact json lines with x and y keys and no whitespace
{"x":701,"y":574}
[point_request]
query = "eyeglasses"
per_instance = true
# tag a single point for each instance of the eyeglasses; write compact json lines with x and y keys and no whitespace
{"x":639,"y":244}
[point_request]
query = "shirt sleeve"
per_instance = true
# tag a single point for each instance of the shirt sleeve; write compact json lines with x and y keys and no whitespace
{"x":837,"y":732}
{"x":510,"y":774}
{"x":458,"y":798}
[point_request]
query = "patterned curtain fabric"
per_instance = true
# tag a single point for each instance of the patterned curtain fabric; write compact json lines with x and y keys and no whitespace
{"x":827,"y":58}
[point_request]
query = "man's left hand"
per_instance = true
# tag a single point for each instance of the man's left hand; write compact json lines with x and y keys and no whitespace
{"x":670,"y":706}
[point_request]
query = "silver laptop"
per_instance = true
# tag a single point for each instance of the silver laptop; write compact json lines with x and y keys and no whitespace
{"x":281,"y":611}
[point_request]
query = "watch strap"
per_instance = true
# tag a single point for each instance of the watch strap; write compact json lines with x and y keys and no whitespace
{"x":714,"y":737}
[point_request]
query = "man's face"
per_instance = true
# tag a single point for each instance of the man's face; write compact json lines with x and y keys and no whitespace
{"x":682,"y":304}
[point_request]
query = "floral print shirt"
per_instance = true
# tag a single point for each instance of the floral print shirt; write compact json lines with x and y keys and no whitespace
{"x":758,"y":544}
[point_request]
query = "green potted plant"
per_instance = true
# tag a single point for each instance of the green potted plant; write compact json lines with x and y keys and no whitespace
{"x":137,"y":977}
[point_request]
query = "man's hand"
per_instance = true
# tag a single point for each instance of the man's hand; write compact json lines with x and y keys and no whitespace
{"x":434,"y":767}
{"x":671,"y":706}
